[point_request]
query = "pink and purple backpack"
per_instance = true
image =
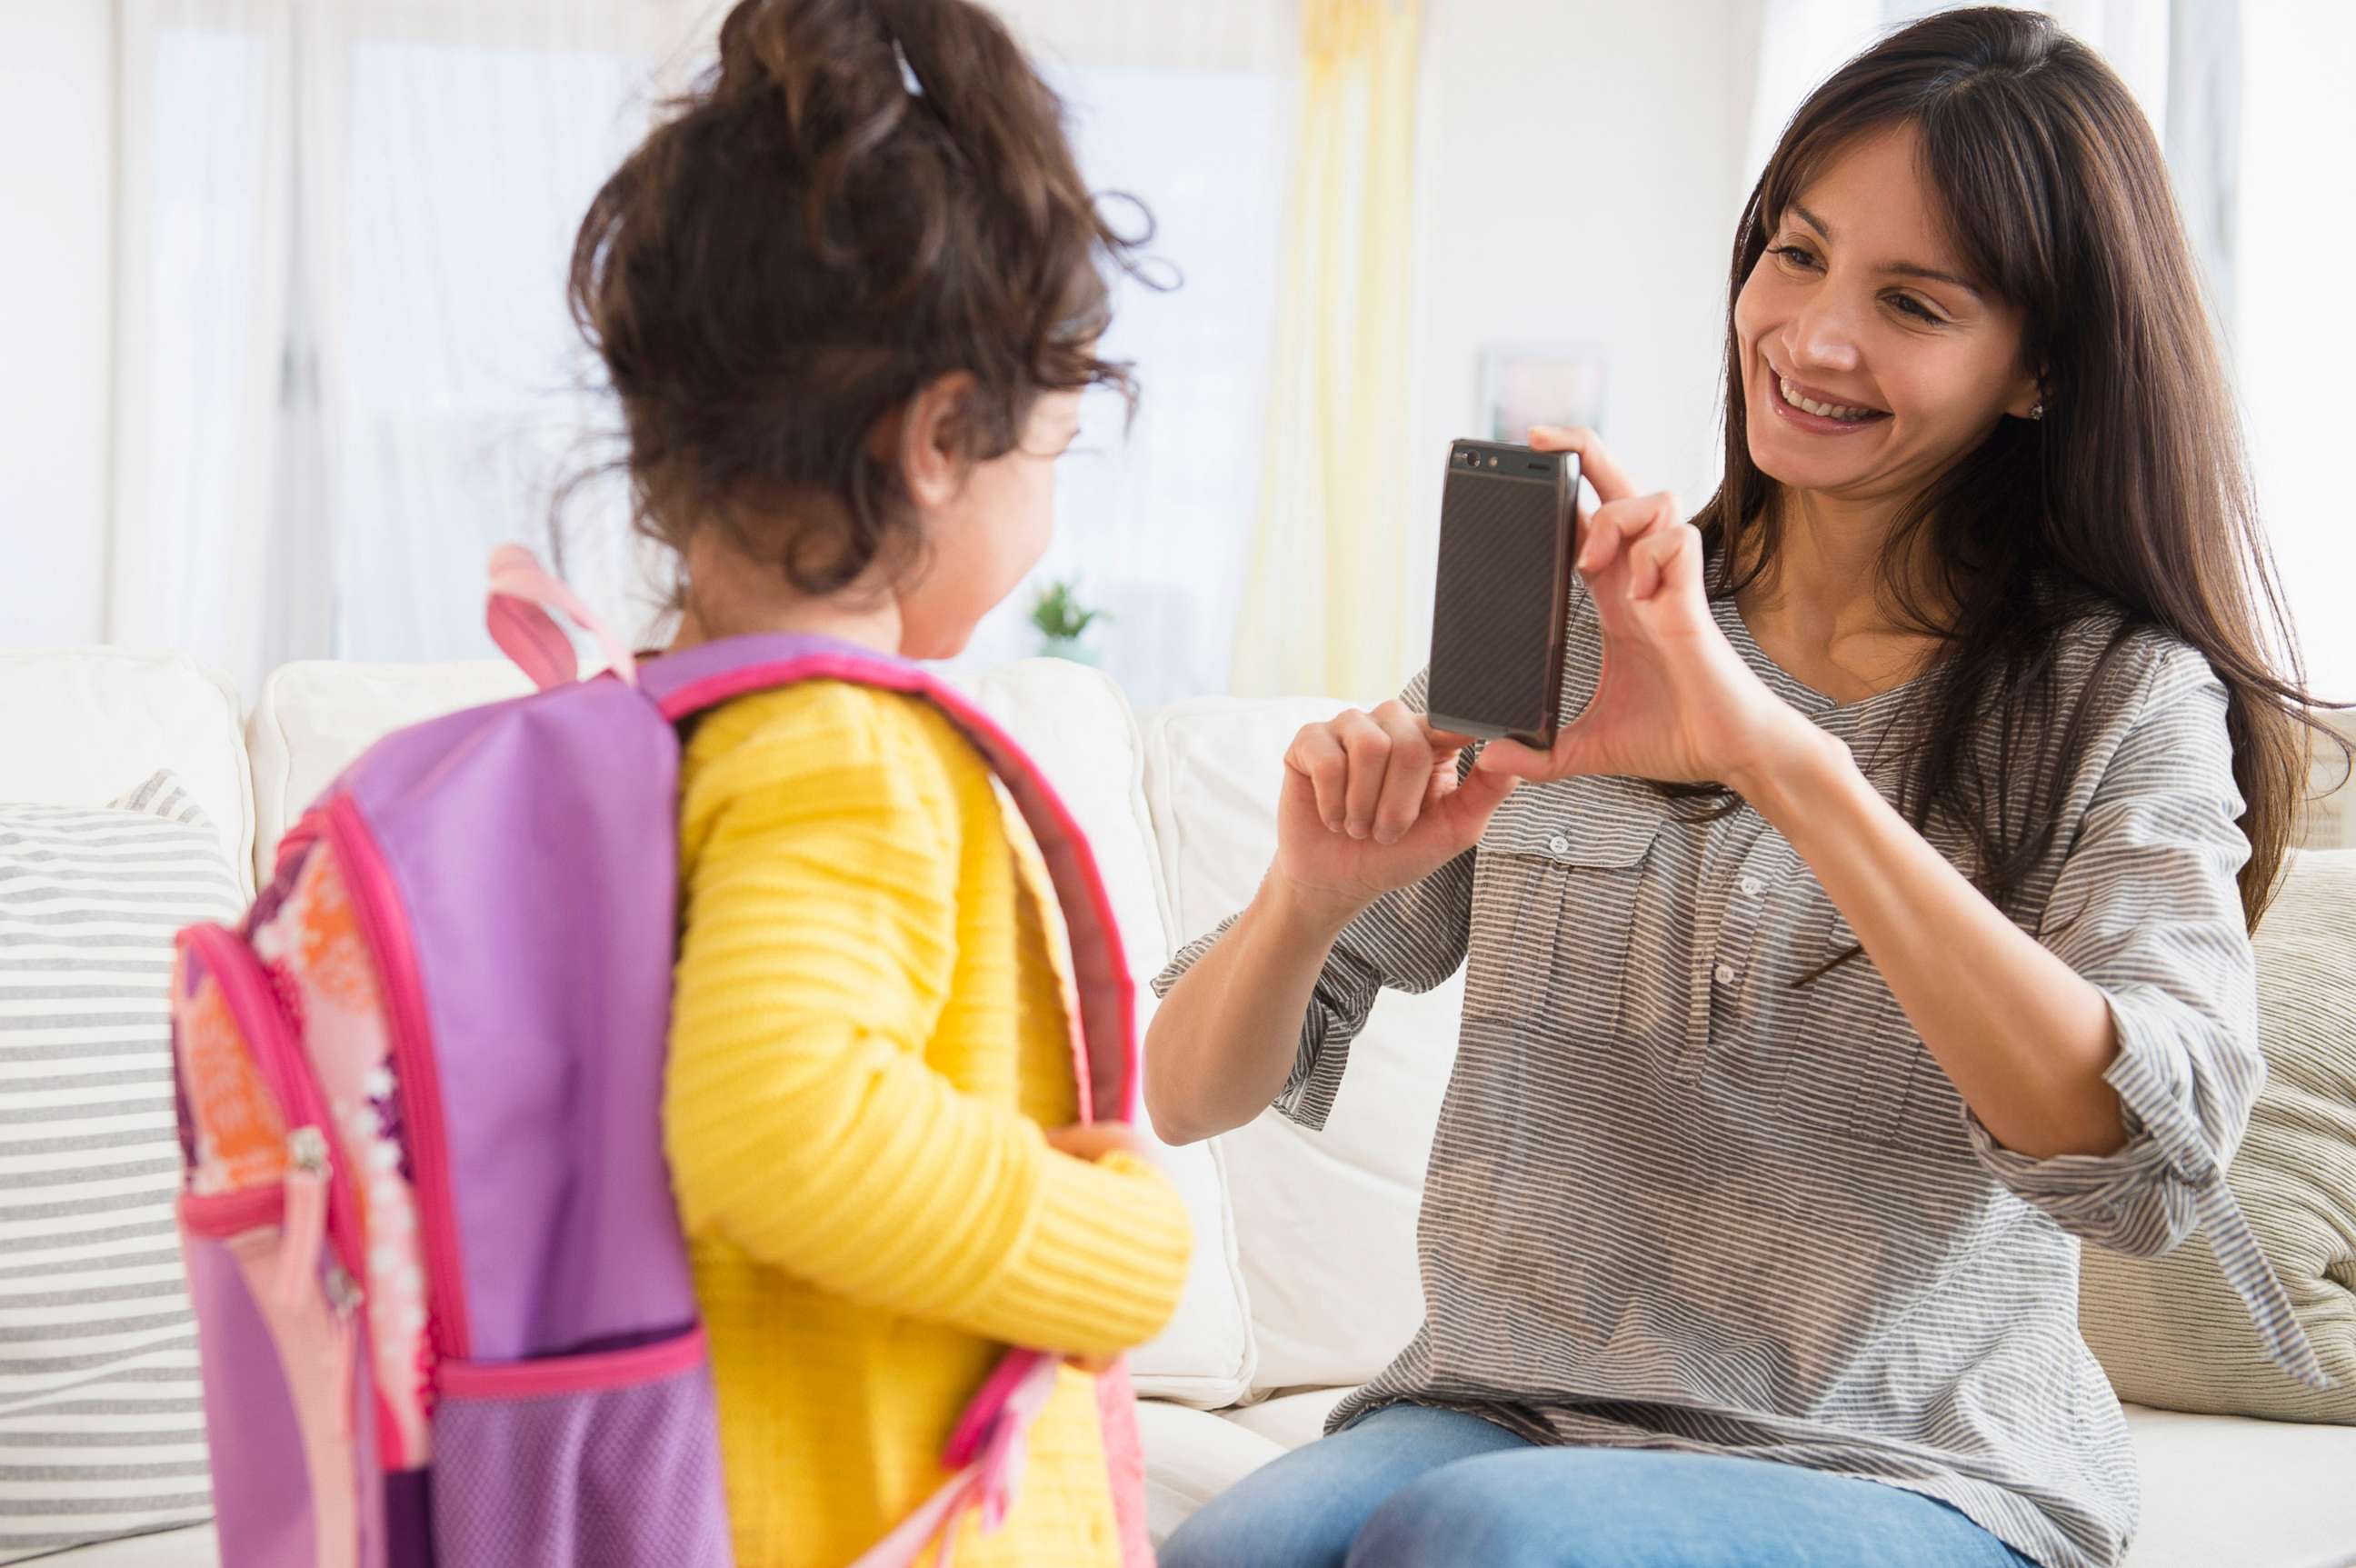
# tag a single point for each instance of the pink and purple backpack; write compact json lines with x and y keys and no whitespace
{"x":442,"y":1301}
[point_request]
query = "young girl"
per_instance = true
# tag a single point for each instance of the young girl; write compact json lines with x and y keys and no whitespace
{"x":849,"y":296}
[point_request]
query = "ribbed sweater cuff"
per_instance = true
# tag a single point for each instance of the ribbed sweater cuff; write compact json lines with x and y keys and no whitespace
{"x":1105,"y":1260}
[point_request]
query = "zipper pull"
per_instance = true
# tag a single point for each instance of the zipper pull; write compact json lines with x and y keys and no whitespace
{"x":343,"y":1294}
{"x":305,"y":1226}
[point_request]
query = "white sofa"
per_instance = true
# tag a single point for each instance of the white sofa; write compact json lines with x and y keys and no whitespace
{"x":1304,"y":1281}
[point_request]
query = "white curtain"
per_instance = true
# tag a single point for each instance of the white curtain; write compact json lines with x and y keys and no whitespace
{"x":1190,"y":110}
{"x":204,"y":245}
{"x":345,"y":369}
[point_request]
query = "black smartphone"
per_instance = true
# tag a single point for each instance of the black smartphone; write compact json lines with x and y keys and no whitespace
{"x":1508,"y":527}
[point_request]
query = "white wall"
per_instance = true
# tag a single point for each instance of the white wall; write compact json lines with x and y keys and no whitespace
{"x":2292,"y":347}
{"x":57,"y":160}
{"x":1577,"y":180}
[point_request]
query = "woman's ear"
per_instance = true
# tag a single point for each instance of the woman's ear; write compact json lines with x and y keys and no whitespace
{"x":2028,"y":400}
{"x":926,"y":436}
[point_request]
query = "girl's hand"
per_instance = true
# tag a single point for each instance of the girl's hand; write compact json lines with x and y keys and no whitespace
{"x":1371,"y":802}
{"x":1092,"y":1141}
{"x":1675,"y":703}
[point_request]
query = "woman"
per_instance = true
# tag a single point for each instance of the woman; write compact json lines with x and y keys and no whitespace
{"x":1788,"y":1085}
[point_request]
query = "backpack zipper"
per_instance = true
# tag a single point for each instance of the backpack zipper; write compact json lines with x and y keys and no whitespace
{"x":309,"y":1192}
{"x":378,"y":903}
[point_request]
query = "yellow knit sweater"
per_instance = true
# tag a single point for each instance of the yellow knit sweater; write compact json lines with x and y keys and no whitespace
{"x":867,"y":1040}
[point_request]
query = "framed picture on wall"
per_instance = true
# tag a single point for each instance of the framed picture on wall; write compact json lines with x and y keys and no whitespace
{"x":1524,"y":384}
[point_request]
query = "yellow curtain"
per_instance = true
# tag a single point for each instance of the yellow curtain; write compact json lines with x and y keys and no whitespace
{"x":1323,"y":607}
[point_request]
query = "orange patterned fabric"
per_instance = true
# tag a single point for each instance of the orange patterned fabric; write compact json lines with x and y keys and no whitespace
{"x":241,"y":1132}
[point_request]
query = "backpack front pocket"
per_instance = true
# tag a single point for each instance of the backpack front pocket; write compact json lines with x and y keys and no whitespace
{"x":607,"y":1457}
{"x":276,"y":1335}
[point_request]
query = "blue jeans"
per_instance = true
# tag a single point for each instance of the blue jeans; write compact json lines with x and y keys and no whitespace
{"x":1412,"y":1488}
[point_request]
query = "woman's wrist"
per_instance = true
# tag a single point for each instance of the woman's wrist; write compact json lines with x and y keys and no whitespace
{"x":1794,"y":764}
{"x":1303,"y":914}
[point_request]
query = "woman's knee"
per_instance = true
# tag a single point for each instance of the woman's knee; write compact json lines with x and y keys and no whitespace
{"x":1287,"y":1515}
{"x":1477,"y":1510}
{"x":1303,"y":1510}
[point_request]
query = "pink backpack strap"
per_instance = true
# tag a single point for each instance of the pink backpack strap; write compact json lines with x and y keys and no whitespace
{"x":687,"y":682}
{"x":522,"y":593}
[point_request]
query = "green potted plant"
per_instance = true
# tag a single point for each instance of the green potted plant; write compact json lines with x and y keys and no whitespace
{"x":1062,"y":621}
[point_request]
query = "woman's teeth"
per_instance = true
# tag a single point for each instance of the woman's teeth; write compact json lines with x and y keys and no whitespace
{"x":1825,"y":410}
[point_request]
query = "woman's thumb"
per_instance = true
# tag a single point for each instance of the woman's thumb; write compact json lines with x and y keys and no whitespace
{"x":1476,"y":798}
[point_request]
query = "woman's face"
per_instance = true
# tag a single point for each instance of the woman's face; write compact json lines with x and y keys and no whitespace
{"x":1870,"y":359}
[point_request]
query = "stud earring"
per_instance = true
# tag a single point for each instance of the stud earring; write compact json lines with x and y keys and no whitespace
{"x":2036,"y":410}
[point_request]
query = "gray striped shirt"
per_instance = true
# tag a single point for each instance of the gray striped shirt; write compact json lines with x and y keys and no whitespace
{"x":1677,"y":1199}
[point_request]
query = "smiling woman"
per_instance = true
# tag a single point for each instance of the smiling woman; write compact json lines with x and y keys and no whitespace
{"x":1878,"y":932}
{"x":2060,"y":431}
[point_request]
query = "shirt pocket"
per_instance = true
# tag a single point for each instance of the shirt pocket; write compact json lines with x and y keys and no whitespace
{"x":1557,"y":890}
{"x":1859,"y":1072}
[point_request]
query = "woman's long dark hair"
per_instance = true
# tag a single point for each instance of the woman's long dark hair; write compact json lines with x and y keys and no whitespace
{"x":2130,"y":496}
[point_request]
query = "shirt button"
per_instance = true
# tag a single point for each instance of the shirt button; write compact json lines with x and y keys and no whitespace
{"x":1752,"y":885}
{"x":1725,"y":973}
{"x":1558,"y":845}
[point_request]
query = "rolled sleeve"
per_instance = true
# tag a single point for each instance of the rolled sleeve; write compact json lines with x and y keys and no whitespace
{"x":2147,"y":909}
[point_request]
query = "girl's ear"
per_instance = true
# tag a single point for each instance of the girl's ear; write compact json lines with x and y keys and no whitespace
{"x":926,"y":436}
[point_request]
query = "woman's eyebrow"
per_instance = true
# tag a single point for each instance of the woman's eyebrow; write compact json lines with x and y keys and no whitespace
{"x":1902,"y":269}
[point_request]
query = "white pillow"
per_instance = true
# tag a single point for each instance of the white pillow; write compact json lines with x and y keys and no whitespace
{"x":1075,"y":724}
{"x":1325,"y":1220}
{"x":102,"y":1426}
{"x":77,"y":725}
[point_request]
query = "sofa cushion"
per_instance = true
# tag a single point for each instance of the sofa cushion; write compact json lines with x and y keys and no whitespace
{"x":314,"y":718}
{"x":2329,"y":819}
{"x":101,"y":1415}
{"x":79,"y":727}
{"x":2222,"y":1491}
{"x":2169,"y":1330}
{"x":1191,"y":1456}
{"x":1326,"y":1220}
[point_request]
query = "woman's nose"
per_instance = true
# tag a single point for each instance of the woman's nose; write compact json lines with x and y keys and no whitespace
{"x":1823,"y":334}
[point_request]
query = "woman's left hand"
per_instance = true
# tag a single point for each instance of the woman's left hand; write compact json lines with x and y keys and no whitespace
{"x":1676,"y":702}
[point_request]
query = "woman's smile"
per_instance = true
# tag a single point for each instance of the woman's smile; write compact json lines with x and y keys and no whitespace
{"x":1814,"y":410}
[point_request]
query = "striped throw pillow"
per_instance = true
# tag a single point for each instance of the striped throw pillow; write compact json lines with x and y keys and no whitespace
{"x":2170,"y":1331}
{"x":102,"y":1426}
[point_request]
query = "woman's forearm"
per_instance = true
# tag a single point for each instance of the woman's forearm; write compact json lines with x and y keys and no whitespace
{"x":1224,"y":1039}
{"x":2024,"y":1039}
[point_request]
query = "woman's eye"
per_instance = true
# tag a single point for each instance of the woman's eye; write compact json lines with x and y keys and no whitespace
{"x":1907,"y":304}
{"x":1796,"y":255}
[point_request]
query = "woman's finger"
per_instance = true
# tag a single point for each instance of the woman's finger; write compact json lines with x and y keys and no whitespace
{"x":1655,"y":559}
{"x":1405,"y":779}
{"x":1368,"y":749}
{"x":1317,"y":755}
{"x":1616,"y":523}
{"x":1596,"y":463}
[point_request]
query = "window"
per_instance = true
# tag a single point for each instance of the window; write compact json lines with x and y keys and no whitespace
{"x":1156,"y":523}
{"x":2292,"y":341}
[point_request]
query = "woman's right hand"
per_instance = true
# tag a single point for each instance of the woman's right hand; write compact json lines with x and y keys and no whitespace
{"x":1371,"y":802}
